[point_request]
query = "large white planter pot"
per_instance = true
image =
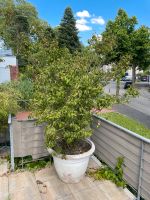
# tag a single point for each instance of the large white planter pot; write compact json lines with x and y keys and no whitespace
{"x":72,"y":168}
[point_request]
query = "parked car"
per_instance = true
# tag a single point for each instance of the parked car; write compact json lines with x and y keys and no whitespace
{"x":123,"y":78}
{"x":144,"y":78}
{"x":127,"y":84}
{"x":126,"y":78}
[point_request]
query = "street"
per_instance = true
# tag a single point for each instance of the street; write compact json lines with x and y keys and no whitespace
{"x":138,"y":108}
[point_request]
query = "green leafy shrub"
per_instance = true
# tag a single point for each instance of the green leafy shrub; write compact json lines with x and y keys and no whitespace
{"x":65,"y":93}
{"x":105,"y":101}
{"x":9,"y":98}
{"x":25,"y":87}
{"x":27,"y":163}
{"x":131,"y":92}
{"x":106,"y":173}
{"x":14,"y":96}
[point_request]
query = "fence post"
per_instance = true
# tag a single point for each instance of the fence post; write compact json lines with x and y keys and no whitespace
{"x":140,"y":170}
{"x":11,"y":143}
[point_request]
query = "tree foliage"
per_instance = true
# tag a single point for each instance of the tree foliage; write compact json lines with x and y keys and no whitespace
{"x":141,"y":49}
{"x":65,"y":93}
{"x":122,"y":39}
{"x":117,"y":37}
{"x":68,"y":33}
{"x":15,"y":23}
{"x":9,"y":102}
{"x":21,"y":29}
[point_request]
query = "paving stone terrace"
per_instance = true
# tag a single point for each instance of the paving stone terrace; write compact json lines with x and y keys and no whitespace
{"x":45,"y":185}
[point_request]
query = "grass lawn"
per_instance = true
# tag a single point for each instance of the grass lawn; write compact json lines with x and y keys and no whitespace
{"x":127,"y":123}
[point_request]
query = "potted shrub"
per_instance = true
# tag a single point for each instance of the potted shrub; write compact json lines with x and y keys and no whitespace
{"x":65,"y":93}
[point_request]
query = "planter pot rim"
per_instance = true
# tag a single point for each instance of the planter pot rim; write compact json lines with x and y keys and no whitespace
{"x":76,"y":156}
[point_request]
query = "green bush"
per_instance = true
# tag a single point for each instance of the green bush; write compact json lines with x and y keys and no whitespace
{"x":9,"y":98}
{"x":25,"y":87}
{"x":106,"y":173}
{"x":14,"y":96}
{"x":65,"y":93}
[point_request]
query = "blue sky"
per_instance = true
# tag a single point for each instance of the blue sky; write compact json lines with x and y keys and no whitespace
{"x":92,"y":15}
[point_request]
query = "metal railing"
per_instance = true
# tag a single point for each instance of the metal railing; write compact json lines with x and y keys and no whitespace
{"x":11,"y":143}
{"x":113,"y":141}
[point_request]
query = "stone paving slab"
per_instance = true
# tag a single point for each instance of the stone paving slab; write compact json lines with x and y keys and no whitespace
{"x":91,"y":194}
{"x":112,"y":191}
{"x":23,"y":186}
{"x":3,"y":167}
{"x":4,"y":188}
{"x":45,"y":185}
{"x":94,"y":163}
{"x":87,"y":189}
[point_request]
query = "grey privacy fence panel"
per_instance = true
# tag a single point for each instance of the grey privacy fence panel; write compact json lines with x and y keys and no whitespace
{"x":28,"y":139}
{"x":113,"y":141}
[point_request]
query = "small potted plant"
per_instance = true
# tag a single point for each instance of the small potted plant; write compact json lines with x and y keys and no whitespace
{"x":65,"y":93}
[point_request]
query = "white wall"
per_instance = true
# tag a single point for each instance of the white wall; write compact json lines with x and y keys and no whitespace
{"x":107,"y":68}
{"x":137,"y":71}
{"x":4,"y":68}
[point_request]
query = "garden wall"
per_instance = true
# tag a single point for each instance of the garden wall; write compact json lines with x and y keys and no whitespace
{"x":113,"y":141}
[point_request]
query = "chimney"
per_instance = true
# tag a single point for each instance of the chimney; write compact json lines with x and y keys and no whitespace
{"x":14,"y":72}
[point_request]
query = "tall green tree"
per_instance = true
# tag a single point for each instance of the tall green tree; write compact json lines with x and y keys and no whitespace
{"x":140,"y":50}
{"x":68,"y":33}
{"x":120,"y":39}
{"x":16,"y":19}
{"x":116,"y":44}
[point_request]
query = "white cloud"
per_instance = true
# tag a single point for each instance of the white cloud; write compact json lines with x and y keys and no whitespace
{"x":81,"y":21}
{"x":83,"y":14}
{"x":83,"y":27}
{"x":98,"y":20}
